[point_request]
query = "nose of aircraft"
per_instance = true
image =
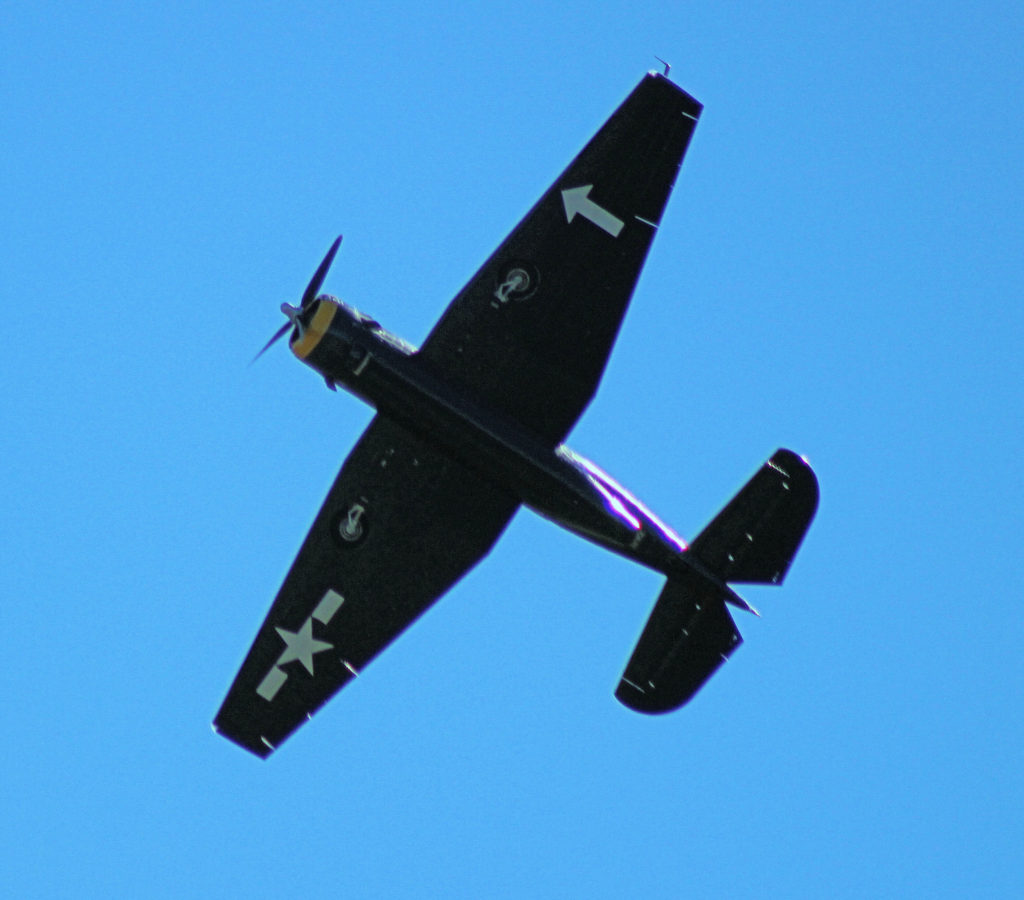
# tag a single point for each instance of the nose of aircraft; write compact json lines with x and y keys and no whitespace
{"x":308,"y":296}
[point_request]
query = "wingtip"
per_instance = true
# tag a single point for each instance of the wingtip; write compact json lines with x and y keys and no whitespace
{"x":258,"y":746}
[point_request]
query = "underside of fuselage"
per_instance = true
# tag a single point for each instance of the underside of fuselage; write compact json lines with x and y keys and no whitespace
{"x":351,"y":350}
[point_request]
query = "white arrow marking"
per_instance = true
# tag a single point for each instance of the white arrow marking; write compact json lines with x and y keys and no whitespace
{"x":577,"y":200}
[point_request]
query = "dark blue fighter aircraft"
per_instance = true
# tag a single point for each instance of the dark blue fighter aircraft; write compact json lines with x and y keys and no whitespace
{"x":471,"y":425}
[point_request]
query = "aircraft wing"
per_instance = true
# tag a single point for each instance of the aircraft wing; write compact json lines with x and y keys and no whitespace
{"x":531,"y":332}
{"x":426,"y":521}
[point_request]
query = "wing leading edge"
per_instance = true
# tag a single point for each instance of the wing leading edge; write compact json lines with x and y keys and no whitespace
{"x":422,"y":521}
{"x":531,"y":332}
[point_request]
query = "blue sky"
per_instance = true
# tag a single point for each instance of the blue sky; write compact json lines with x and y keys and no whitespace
{"x":839,"y":271}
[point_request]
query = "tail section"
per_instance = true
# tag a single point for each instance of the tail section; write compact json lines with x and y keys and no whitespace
{"x":690,"y":632}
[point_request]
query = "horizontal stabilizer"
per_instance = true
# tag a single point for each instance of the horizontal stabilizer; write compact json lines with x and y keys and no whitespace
{"x":687,"y":637}
{"x":756,"y":536}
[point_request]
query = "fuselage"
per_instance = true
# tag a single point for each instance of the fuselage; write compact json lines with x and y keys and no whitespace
{"x":350,"y":349}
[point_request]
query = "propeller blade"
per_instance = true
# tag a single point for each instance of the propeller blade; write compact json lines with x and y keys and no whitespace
{"x":281,"y":332}
{"x":313,"y":288}
{"x":310,"y":294}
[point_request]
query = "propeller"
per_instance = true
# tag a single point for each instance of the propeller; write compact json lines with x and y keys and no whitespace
{"x":308,"y":296}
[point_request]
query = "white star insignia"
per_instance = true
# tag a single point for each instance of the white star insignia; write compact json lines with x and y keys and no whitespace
{"x":301,"y":645}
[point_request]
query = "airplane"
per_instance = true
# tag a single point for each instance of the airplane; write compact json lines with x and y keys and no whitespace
{"x":471,"y":426}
